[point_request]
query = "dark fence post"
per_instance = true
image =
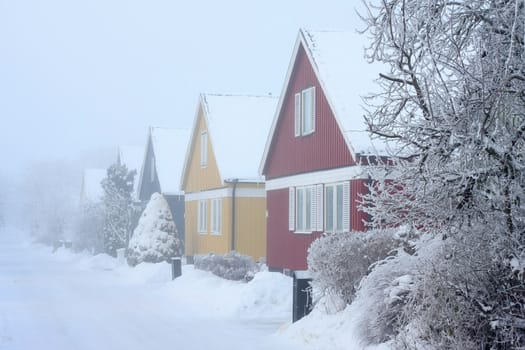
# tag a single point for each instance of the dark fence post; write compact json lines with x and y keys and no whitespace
{"x":302,"y":295}
{"x":190,"y":259}
{"x":176,"y":267}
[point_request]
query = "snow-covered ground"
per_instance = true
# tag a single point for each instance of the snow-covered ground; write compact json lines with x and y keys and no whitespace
{"x":63,"y":300}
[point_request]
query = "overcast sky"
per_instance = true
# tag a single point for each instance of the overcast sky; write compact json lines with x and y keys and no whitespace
{"x":79,"y":76}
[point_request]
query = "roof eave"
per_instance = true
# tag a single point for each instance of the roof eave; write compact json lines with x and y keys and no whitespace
{"x":189,"y":149}
{"x":148,"y":141}
{"x":291,"y":65}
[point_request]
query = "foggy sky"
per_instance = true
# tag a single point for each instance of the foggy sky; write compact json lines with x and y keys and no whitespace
{"x":80,"y":76}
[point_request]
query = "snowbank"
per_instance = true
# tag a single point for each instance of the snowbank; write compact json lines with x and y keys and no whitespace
{"x":322,"y":331}
{"x":265,"y":301}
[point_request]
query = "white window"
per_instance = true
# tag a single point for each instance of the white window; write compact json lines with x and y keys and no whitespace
{"x":204,"y":149}
{"x":303,"y":210}
{"x":304,"y":114}
{"x":216,"y":216}
{"x":203,"y":216}
{"x":337,"y":207}
{"x":152,"y":170}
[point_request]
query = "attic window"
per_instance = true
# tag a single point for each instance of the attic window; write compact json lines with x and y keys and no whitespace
{"x":305,"y":112}
{"x":204,"y":149}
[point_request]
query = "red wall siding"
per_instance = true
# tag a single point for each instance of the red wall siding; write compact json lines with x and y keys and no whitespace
{"x":284,"y":248}
{"x":324,"y":149}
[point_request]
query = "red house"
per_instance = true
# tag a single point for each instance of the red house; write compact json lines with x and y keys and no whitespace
{"x":317,"y":147}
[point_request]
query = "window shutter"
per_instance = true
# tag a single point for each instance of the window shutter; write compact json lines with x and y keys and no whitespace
{"x":320,"y":207}
{"x":346,"y":206}
{"x":297,"y":118}
{"x":291,"y":209}
{"x":313,"y":208}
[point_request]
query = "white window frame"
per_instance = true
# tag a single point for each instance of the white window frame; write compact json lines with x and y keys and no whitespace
{"x":310,"y":92}
{"x":216,"y":216}
{"x":300,"y":100}
{"x":202,"y":217}
{"x":303,"y":212}
{"x":344,"y":202}
{"x":204,"y":149}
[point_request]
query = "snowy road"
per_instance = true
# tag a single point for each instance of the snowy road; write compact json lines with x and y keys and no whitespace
{"x":53,"y":301}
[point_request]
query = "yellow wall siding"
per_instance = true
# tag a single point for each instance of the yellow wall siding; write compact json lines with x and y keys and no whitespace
{"x":200,"y":178}
{"x":250,"y":212}
{"x":250,"y":230}
{"x":251,"y":227}
{"x":204,"y":243}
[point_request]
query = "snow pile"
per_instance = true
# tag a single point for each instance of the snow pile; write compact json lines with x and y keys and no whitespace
{"x":102,"y":262}
{"x":320,"y":331}
{"x":267,"y":295}
{"x":155,"y":238}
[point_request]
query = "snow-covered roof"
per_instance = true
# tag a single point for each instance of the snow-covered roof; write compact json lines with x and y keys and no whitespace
{"x":337,"y":58}
{"x":169,"y":149}
{"x":131,"y":157}
{"x":92,"y":190}
{"x":238,"y":126}
{"x":345,"y":76}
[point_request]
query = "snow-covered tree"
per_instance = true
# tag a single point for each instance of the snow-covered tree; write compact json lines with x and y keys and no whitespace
{"x":118,"y":207}
{"x":155,"y":239}
{"x":453,"y":104}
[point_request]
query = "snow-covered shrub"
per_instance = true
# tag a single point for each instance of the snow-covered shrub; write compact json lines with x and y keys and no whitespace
{"x":155,"y":239}
{"x":386,"y":290}
{"x":467,"y":297}
{"x":232,"y":266}
{"x":339,"y":261}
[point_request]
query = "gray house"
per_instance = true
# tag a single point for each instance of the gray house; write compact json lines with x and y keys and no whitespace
{"x":162,"y":168}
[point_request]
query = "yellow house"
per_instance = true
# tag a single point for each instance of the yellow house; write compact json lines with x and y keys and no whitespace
{"x":225,"y":197}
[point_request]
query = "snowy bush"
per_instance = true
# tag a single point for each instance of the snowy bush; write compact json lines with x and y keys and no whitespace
{"x":387,"y":289}
{"x":466,"y":298}
{"x":232,"y":266}
{"x":155,"y":238}
{"x":339,"y":261}
{"x":452,"y":102}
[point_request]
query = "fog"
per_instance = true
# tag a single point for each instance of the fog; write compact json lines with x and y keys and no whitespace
{"x":78,"y":79}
